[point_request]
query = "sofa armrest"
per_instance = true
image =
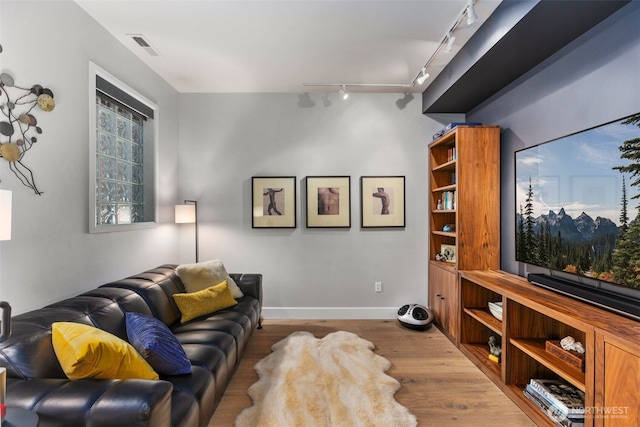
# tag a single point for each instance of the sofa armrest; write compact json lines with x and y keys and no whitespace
{"x":95,"y":403}
{"x":249,"y":284}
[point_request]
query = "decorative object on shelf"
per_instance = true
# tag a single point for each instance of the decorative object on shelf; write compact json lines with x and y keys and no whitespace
{"x":570,"y":343}
{"x":496,"y":309}
{"x":328,"y":201}
{"x":382,"y":201}
{"x":273,"y":202}
{"x":448,"y":252}
{"x":451,"y":125}
{"x":19,"y":126}
{"x":495,"y":349}
{"x":449,"y":228}
{"x":571,"y":357}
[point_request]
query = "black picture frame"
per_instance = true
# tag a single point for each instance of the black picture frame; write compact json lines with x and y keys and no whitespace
{"x":382,"y":201}
{"x":273,"y":202}
{"x":328,"y":201}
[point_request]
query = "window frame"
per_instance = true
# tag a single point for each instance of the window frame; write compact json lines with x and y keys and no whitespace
{"x":94,"y":227}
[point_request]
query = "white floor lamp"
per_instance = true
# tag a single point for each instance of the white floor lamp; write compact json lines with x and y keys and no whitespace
{"x":188,"y":214}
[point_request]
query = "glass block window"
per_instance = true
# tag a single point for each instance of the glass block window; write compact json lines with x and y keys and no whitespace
{"x":119,"y":163}
{"x":123,"y":147}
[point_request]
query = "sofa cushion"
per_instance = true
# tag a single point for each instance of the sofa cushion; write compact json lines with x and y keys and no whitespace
{"x":199,"y":276}
{"x":87,"y":352}
{"x":209,"y":300}
{"x":157,"y":344}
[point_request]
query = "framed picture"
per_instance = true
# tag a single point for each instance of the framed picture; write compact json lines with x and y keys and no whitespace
{"x":448,"y":253}
{"x":273,"y":202}
{"x":328,"y":201}
{"x":382,"y":201}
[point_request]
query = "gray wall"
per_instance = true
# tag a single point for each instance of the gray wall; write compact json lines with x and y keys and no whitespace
{"x":594,"y":80}
{"x":51,"y":255}
{"x":225,"y":139}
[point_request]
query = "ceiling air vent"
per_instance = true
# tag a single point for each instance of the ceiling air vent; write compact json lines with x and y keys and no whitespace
{"x":144,"y":44}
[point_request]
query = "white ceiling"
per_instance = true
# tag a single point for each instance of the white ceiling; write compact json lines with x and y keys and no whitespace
{"x":265,"y":46}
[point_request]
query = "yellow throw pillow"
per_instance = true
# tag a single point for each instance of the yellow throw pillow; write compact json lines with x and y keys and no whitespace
{"x":87,"y":352}
{"x":203,"y":302}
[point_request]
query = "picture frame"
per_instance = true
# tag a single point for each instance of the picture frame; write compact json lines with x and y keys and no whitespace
{"x":328,"y":201}
{"x":382,"y":201}
{"x":448,"y":253}
{"x":273,"y":202}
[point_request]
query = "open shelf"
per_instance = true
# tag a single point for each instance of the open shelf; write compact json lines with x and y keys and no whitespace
{"x":535,"y":349}
{"x":479,"y":353}
{"x":444,"y":233}
{"x":449,"y":187}
{"x":483,"y":316}
{"x":448,"y":166}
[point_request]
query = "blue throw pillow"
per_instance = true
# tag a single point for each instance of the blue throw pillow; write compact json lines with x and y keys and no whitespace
{"x":157,"y":344}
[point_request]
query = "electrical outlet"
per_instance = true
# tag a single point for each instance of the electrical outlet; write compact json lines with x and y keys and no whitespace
{"x":378,"y":286}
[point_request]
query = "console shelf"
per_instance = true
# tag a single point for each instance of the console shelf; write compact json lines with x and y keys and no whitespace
{"x":534,"y":348}
{"x":483,"y":316}
{"x":531,"y":316}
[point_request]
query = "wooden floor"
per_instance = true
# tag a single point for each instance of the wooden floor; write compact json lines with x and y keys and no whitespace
{"x":440,"y":386}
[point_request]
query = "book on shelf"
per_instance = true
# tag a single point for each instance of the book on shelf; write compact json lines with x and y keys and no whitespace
{"x":553,"y":413}
{"x":448,"y":200}
{"x":451,"y":154}
{"x":564,"y":396}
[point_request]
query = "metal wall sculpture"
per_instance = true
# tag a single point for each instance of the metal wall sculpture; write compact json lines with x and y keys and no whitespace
{"x":19,"y":125}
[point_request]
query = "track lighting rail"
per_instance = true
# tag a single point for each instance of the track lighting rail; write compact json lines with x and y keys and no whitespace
{"x":446,"y":44}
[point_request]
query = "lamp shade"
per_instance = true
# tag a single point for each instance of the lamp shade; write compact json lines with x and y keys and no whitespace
{"x":185,"y":214}
{"x":5,"y":215}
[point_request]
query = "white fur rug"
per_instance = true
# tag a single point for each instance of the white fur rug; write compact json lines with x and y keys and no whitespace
{"x":334,"y":381}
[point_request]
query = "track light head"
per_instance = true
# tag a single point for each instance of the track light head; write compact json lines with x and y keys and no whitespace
{"x":423,"y":77}
{"x":471,"y":13}
{"x":343,"y":92}
{"x":450,"y":41}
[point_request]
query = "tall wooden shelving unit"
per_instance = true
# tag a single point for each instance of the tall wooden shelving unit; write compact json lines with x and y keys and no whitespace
{"x":464,"y":165}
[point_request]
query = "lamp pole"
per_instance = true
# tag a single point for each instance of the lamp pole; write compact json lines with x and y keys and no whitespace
{"x":195,"y":208}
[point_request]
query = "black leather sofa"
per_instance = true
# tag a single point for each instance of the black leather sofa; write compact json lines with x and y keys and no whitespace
{"x":214,"y":344}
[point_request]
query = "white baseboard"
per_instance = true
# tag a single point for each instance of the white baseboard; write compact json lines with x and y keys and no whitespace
{"x":323,"y":313}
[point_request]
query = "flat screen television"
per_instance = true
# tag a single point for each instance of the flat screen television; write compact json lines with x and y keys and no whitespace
{"x":577,"y":214}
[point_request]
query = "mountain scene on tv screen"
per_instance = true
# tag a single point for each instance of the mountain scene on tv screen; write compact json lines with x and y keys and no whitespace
{"x":578,"y":203}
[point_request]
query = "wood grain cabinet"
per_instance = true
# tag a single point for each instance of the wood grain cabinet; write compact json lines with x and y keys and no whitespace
{"x":443,"y":299}
{"x":618,"y":376}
